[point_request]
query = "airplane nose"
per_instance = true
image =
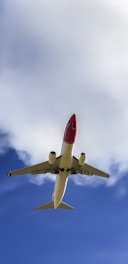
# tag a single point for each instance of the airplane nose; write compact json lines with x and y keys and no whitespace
{"x":73,"y":121}
{"x":70,"y":131}
{"x":73,"y":117}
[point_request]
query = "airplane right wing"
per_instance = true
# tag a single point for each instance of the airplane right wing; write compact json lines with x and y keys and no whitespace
{"x":40,"y":168}
{"x":87,"y":169}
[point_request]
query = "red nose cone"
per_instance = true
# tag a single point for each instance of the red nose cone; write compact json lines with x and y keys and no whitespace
{"x":70,"y":131}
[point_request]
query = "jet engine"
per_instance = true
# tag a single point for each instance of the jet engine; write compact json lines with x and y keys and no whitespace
{"x":82,"y":159}
{"x":52,"y":157}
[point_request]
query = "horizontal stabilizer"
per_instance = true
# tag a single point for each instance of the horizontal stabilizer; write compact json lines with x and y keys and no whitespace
{"x":51,"y":205}
{"x":65,"y":206}
{"x":45,"y":206}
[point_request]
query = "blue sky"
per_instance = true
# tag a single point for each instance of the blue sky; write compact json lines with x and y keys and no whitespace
{"x":56,"y":60}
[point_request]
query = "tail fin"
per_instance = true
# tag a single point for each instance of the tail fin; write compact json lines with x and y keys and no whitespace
{"x":51,"y":205}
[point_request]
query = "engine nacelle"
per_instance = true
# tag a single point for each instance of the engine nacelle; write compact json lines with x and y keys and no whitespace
{"x":82,"y":159}
{"x":52,"y":157}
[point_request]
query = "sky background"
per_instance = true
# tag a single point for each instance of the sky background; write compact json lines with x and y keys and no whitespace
{"x":56,"y":59}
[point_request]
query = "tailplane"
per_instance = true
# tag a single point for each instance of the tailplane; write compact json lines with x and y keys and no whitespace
{"x":51,"y":205}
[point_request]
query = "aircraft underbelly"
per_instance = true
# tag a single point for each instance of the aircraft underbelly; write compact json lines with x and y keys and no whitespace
{"x":62,"y":177}
{"x":60,"y":187}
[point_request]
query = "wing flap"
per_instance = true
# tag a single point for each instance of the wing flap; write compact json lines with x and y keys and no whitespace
{"x":87,"y":169}
{"x":39,"y":168}
{"x":94,"y":171}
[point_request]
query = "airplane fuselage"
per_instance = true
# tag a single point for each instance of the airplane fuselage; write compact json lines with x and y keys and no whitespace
{"x":62,"y":177}
{"x":65,"y":161}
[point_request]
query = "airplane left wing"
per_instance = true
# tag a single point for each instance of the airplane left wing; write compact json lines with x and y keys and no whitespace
{"x":40,"y":168}
{"x":87,"y":169}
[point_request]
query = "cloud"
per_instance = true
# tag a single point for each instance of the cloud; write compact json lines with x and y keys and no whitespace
{"x":4,"y":142}
{"x":57,"y":59}
{"x":40,"y":179}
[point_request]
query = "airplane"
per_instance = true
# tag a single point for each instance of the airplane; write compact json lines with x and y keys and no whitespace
{"x":63,"y":166}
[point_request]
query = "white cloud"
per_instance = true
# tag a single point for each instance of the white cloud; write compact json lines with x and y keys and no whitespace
{"x":58,"y":59}
{"x":4,"y":142}
{"x":40,"y":179}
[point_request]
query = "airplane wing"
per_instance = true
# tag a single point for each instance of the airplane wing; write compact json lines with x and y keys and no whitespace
{"x":39,"y":168}
{"x":86,"y":169}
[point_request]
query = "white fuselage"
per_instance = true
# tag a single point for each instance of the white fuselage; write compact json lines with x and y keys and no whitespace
{"x":62,"y":177}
